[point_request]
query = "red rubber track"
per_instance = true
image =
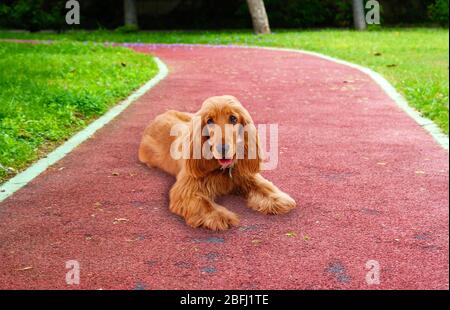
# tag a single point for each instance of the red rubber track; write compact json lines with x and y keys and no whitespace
{"x":370,"y":183}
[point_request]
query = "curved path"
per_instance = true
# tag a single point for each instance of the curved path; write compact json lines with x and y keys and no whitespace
{"x":371,"y":184}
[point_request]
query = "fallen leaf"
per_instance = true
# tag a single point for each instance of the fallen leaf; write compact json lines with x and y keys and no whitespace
{"x":291,"y":234}
{"x":25,"y":268}
{"x":120,"y":220}
{"x":98,"y":206}
{"x":256,"y":241}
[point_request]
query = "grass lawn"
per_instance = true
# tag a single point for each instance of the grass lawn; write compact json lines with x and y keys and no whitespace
{"x":414,"y":60}
{"x":48,"y":92}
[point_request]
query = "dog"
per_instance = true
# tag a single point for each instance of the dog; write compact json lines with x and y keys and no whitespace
{"x":200,"y":180}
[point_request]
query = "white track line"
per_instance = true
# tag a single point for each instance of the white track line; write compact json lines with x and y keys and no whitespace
{"x":20,"y":180}
{"x":427,"y":124}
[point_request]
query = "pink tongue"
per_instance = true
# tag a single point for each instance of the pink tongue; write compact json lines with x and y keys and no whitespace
{"x":225,"y":162}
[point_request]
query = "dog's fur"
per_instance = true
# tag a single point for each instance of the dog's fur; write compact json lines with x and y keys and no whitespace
{"x":200,"y":181}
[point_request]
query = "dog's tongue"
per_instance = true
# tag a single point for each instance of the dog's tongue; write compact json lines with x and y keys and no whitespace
{"x":225,"y":162}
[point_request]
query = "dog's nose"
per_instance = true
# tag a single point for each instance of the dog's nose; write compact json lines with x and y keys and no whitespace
{"x":223,"y":149}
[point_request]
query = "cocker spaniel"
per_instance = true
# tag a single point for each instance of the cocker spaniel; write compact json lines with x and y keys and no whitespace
{"x":208,"y":164}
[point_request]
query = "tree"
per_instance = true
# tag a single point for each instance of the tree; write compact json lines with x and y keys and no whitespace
{"x":130,"y":13}
{"x":359,"y":17}
{"x":259,"y":16}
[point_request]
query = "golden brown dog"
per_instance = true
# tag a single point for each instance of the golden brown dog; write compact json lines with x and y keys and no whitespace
{"x":200,"y":179}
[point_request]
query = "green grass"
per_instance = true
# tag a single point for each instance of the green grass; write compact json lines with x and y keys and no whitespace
{"x":414,"y":60}
{"x":48,"y":92}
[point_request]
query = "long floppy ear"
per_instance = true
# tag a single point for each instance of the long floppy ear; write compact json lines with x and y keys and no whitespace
{"x":196,"y":165}
{"x":251,"y":163}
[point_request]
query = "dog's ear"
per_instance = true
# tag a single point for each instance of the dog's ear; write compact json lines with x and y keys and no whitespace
{"x":196,"y":165}
{"x":251,"y":163}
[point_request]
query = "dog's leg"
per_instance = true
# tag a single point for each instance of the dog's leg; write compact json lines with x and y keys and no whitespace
{"x":263,"y":196}
{"x":198,"y":210}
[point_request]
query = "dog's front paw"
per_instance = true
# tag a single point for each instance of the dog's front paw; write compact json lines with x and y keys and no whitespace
{"x":219,"y":219}
{"x":282,"y":203}
{"x":278,"y":203}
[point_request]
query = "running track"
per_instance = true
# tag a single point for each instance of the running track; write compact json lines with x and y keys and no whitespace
{"x":370,"y":183}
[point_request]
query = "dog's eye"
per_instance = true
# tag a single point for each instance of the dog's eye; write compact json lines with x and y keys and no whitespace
{"x":210,"y":121}
{"x":233,"y":119}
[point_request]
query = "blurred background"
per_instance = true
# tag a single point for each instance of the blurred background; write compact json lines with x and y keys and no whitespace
{"x":37,"y":15}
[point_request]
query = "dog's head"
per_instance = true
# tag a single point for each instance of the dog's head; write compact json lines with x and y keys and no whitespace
{"x":227,"y":130}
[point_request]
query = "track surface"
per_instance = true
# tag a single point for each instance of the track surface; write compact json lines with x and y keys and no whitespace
{"x":370,"y":185}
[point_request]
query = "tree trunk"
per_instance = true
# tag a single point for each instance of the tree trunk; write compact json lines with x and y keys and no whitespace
{"x":259,"y":16}
{"x":359,"y":17}
{"x":130,"y":11}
